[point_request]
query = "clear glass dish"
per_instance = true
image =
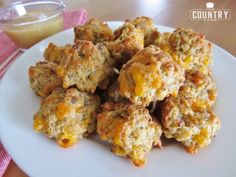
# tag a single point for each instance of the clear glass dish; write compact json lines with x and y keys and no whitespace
{"x":27,"y":22}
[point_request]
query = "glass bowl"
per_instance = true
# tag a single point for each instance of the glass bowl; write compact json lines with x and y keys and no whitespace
{"x":27,"y":22}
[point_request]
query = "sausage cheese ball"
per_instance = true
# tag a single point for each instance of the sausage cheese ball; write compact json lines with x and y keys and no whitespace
{"x":95,"y":31}
{"x":150,"y":75}
{"x":130,"y":129}
{"x":195,"y":130}
{"x":190,"y":49}
{"x":128,"y":41}
{"x":90,"y":66}
{"x":67,"y":116}
{"x":56,"y":54}
{"x":43,"y":79}
{"x":199,"y":90}
{"x":146,"y":25}
{"x":187,"y":117}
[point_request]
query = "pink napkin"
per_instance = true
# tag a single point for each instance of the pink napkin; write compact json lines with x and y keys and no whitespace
{"x":9,"y":52}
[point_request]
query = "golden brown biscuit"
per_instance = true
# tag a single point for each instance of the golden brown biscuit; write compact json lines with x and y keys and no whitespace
{"x":43,"y":79}
{"x":194,"y":130}
{"x":130,"y":129}
{"x":128,"y":41}
{"x":146,"y":25}
{"x":150,"y":75}
{"x":56,"y":54}
{"x":190,"y":49}
{"x":199,"y":90}
{"x":188,"y":117}
{"x":67,"y":116}
{"x":95,"y":31}
{"x":89,"y":67}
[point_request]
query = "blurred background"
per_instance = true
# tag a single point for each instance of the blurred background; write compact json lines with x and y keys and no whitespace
{"x":172,"y":13}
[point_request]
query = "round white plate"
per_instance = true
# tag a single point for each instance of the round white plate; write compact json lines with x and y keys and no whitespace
{"x":40,"y":156}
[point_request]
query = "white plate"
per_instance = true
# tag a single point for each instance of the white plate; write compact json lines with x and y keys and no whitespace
{"x":39,"y":156}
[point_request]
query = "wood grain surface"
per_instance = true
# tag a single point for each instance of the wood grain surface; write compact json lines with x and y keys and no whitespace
{"x":172,"y":13}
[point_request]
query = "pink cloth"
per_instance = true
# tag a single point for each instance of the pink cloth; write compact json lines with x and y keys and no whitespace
{"x":74,"y":18}
{"x":9,"y":52}
{"x":4,"y":160}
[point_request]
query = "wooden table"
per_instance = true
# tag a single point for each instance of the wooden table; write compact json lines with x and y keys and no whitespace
{"x":171,"y":13}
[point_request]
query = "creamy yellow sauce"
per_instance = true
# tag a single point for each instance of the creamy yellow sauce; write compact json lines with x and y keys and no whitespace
{"x":27,"y":35}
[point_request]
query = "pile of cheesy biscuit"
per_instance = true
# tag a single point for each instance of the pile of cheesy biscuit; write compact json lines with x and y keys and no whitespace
{"x":133,"y":87}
